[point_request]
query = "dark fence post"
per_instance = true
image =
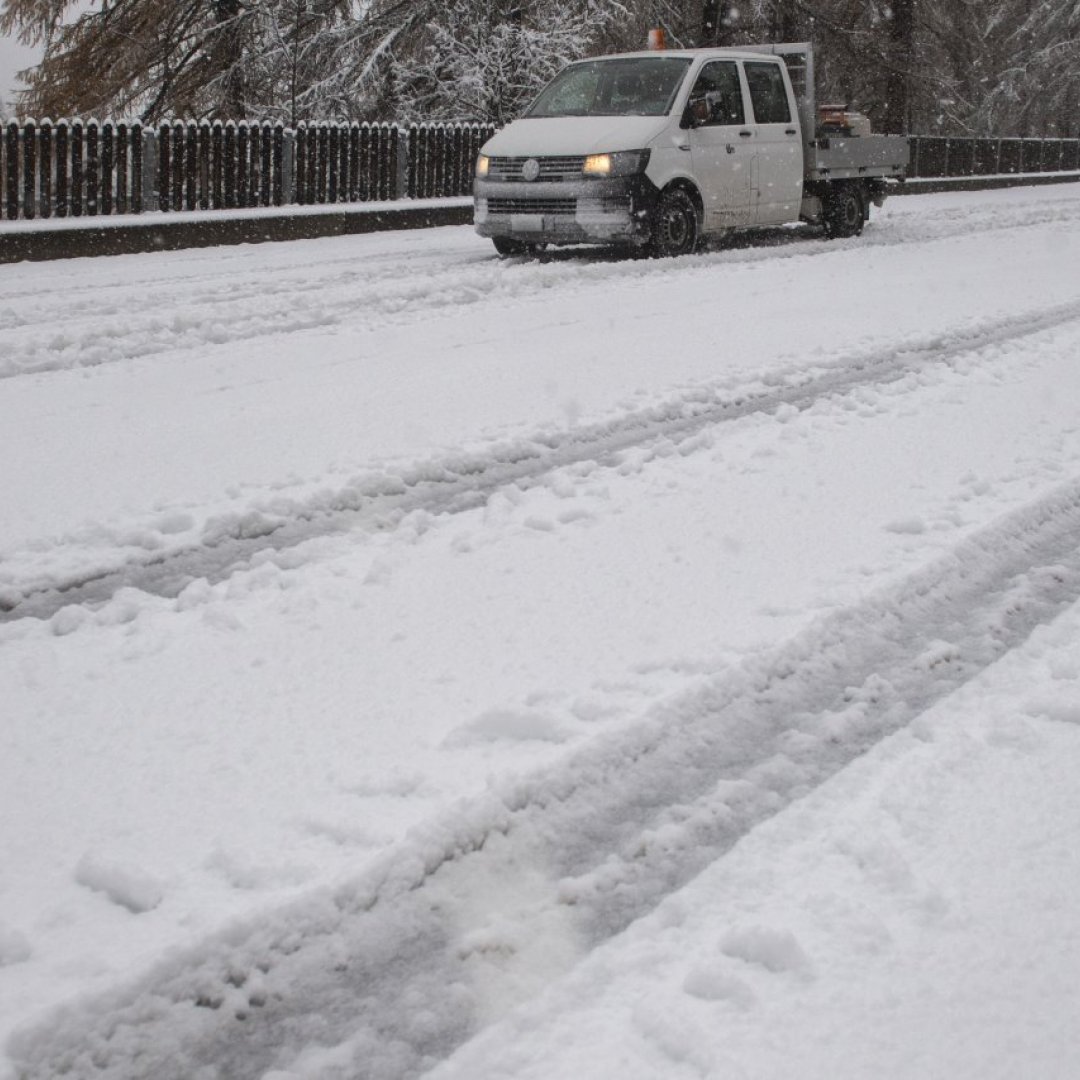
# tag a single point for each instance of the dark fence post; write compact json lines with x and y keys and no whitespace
{"x":365,"y":184}
{"x":179,"y":165}
{"x":45,"y":171}
{"x":77,"y":177}
{"x":165,"y":167}
{"x":93,"y":168}
{"x":8,"y":156}
{"x":252,"y":164}
{"x":243,"y":180}
{"x":230,"y":165}
{"x":107,"y":167}
{"x":354,"y":162}
{"x":424,"y":155}
{"x":11,"y":141}
{"x":438,"y":159}
{"x":300,"y":151}
{"x":191,"y":165}
{"x":122,"y":147}
{"x":29,"y":169}
{"x":258,"y":180}
{"x":266,"y":147}
{"x":470,"y":140}
{"x":217,"y":166}
{"x":323,"y":154}
{"x":278,"y":163}
{"x":461,"y":148}
{"x":451,"y":173}
{"x":434,"y":158}
{"x":343,"y":131}
{"x":139,"y":140}
{"x":202,"y":173}
{"x":62,"y":193}
{"x":334,"y":162}
{"x":311,"y":171}
{"x":412,"y":158}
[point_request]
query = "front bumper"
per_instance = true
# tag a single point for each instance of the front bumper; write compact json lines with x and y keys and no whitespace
{"x":615,"y":210}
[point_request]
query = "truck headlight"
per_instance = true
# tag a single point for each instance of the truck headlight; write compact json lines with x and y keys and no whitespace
{"x":624,"y":163}
{"x":482,"y":161}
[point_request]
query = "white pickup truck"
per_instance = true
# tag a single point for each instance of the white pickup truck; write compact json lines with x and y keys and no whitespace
{"x":660,"y":149}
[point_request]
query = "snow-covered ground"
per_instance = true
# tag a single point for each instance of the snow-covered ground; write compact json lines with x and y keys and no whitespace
{"x":415,"y":662}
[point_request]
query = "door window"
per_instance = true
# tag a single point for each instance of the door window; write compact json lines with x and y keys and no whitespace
{"x":718,"y":86}
{"x":768,"y":93}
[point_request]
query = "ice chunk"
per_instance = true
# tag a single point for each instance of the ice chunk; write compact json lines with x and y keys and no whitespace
{"x":128,"y":886}
{"x":775,"y":950}
{"x":514,"y":725}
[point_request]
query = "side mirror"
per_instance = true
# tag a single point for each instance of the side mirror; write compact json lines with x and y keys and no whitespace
{"x":697,"y":113}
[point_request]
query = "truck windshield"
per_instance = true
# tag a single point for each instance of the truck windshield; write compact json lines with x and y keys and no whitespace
{"x":628,"y":86}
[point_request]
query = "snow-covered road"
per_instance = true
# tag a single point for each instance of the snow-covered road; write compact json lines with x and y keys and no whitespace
{"x":386,"y":626}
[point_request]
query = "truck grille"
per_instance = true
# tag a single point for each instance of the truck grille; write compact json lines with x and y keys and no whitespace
{"x":551,"y":168}
{"x":505,"y":205}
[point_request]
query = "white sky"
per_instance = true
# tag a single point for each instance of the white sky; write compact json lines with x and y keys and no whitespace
{"x":13,"y":58}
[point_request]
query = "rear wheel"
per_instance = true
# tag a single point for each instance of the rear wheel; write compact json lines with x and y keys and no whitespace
{"x":674,"y":226}
{"x":844,"y":213}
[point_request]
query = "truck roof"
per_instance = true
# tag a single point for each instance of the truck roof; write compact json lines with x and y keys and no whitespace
{"x":747,"y":52}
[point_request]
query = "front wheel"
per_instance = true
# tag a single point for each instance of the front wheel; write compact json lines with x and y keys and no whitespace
{"x":844,"y":214}
{"x":507,"y":247}
{"x":674,"y":225}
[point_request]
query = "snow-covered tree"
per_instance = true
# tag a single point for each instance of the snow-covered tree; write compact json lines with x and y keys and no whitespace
{"x":486,"y":59}
{"x":227,"y":58}
{"x":1035,"y":87}
{"x":997,"y":67}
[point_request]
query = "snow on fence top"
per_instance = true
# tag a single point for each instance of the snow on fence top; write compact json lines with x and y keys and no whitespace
{"x":76,"y":167}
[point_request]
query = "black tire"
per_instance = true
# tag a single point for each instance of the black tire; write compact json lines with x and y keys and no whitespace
{"x":845,"y":213}
{"x":507,"y":247}
{"x":674,"y":225}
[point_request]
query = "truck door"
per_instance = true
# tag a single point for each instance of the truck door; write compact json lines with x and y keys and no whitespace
{"x":722,"y":145}
{"x":779,"y":164}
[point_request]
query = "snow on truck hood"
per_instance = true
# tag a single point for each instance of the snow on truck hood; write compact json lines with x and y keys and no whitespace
{"x":575,"y":135}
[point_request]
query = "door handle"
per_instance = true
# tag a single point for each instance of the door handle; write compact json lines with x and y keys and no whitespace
{"x":745,"y":134}
{"x":790,"y":131}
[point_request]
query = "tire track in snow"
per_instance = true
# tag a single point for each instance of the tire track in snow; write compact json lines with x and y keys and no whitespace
{"x":385,"y":976}
{"x":222,"y":308}
{"x":460,"y":482}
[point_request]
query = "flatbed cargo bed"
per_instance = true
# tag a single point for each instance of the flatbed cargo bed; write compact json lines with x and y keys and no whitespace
{"x":844,"y":157}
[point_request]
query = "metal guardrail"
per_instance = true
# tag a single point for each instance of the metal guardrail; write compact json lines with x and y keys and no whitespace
{"x":935,"y":157}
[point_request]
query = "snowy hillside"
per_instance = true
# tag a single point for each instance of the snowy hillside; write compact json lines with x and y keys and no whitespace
{"x":418,"y":663}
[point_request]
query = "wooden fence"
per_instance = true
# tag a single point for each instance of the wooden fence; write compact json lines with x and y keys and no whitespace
{"x":75,"y":168}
